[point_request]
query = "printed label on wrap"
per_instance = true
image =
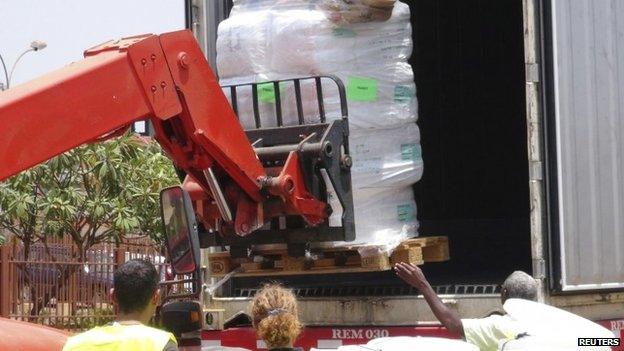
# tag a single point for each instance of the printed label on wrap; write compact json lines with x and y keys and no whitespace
{"x":411,"y":152}
{"x":266,"y":92}
{"x":403,"y":94}
{"x":342,"y":32}
{"x":361,"y":89}
{"x":406,"y":212}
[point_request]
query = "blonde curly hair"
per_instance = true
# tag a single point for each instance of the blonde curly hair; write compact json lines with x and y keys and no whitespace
{"x":275,"y":316}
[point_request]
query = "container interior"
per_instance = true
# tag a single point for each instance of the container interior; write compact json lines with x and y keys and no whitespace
{"x":468,"y":61}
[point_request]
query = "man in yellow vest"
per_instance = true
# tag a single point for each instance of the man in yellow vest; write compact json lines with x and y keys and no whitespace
{"x":135,"y":295}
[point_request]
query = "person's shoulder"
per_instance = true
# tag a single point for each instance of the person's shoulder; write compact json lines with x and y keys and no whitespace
{"x":494,"y":319}
{"x":488,"y":331}
{"x":152,"y":329}
{"x":491,"y":324}
{"x":80,"y":337}
{"x":171,"y":346}
{"x":498,"y":318}
{"x":94,"y":330}
{"x":480,"y":320}
{"x":501,"y":320}
{"x":145,"y":331}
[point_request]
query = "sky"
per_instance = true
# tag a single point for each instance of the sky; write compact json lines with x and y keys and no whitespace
{"x":71,"y":26}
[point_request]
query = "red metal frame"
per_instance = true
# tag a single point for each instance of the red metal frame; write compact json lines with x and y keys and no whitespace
{"x":321,"y":337}
{"x":165,"y":79}
{"x":288,"y":186}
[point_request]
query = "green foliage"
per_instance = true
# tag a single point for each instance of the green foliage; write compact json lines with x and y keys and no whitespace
{"x":92,"y":193}
{"x":84,"y":318}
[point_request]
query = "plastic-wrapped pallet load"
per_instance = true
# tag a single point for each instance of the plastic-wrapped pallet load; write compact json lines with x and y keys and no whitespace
{"x":266,"y":97}
{"x":374,"y":102}
{"x":365,"y":43}
{"x":386,"y":158}
{"x":299,"y":39}
{"x":384,"y":216}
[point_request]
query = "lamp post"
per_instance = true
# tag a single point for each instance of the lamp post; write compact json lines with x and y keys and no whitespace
{"x":36,"y":45}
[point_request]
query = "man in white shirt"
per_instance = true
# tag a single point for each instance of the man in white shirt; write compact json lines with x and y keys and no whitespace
{"x":486,"y":333}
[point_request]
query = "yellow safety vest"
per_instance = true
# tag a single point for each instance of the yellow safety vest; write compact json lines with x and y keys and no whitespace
{"x":118,"y":337}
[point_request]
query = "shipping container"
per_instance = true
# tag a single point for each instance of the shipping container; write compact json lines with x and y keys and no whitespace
{"x":521,"y":112}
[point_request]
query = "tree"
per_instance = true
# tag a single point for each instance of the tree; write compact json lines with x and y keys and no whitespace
{"x":93,"y":193}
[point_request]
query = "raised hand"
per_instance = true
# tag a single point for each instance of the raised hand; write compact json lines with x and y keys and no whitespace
{"x":411,"y":274}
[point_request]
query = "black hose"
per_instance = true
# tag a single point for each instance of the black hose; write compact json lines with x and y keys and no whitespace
{"x":6,"y":74}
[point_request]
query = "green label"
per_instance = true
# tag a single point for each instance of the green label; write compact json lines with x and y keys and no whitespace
{"x":342,"y":32}
{"x":266,"y":92}
{"x":361,"y":89}
{"x":406,"y":212}
{"x":403,"y":93}
{"x":411,"y":152}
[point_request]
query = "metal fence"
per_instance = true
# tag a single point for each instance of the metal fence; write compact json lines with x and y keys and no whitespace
{"x":53,"y":287}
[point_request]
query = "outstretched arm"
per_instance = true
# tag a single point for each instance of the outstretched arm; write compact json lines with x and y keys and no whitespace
{"x":412,"y":275}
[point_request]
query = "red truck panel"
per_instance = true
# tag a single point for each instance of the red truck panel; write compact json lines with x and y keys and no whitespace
{"x":333,"y":337}
{"x":15,"y":335}
{"x":320,"y":337}
{"x":616,"y":326}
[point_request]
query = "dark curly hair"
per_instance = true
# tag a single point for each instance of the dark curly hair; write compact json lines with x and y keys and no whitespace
{"x":135,"y":282}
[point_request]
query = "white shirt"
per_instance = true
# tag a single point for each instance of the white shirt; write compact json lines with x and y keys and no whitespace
{"x":487,"y":333}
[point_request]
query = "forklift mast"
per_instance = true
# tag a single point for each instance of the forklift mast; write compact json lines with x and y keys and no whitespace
{"x":236,"y":187}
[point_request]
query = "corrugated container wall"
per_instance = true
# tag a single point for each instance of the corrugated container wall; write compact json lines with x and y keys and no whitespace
{"x":588,"y":72}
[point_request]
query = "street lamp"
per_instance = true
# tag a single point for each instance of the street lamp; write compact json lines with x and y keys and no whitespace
{"x":34,"y":46}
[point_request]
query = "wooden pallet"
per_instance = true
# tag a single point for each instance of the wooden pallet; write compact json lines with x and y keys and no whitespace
{"x":332,"y":260}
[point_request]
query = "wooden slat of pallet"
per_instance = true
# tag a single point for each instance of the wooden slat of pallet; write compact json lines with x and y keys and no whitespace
{"x":219,"y":263}
{"x":312,"y":271}
{"x":335,"y":260}
{"x":438,"y":253}
{"x":407,"y":254}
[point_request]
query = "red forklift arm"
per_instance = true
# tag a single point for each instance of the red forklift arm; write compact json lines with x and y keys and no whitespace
{"x":167,"y":80}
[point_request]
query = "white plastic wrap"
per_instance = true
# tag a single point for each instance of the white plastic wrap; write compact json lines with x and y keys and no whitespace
{"x":267,"y":100}
{"x":241,"y":6}
{"x":339,"y":11}
{"x":379,"y":97}
{"x":302,"y":41}
{"x":266,"y":40}
{"x":384,"y":217}
{"x":242,"y":44}
{"x":392,"y":105}
{"x":381,"y":157}
{"x":387,"y":158}
{"x":365,"y":45}
{"x":307,"y":42}
{"x":293,"y":41}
